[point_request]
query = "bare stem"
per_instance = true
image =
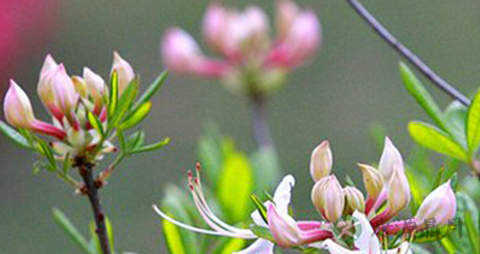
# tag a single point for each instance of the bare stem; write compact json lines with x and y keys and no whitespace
{"x":91,"y":190}
{"x":261,"y":131}
{"x":404,"y":51}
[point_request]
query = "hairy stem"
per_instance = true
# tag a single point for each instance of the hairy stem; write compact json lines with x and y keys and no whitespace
{"x":91,"y":190}
{"x":409,"y":55}
{"x":261,"y":131}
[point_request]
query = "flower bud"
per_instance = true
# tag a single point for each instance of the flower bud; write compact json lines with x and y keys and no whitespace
{"x":328,"y":198}
{"x":299,"y":43}
{"x":181,"y":54}
{"x":214,"y":24}
{"x":180,"y":51}
{"x":17,"y":107}
{"x":372,"y":180}
{"x":287,"y":11}
{"x":65,"y":94}
{"x":390,"y":158}
{"x":284,"y":229}
{"x":398,"y":191}
{"x":321,"y":161}
{"x":124,"y":71}
{"x":354,"y":200}
{"x":94,"y":84}
{"x":44,"y":87}
{"x":440,"y":204}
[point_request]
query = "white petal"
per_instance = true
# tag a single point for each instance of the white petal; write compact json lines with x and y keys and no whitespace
{"x":334,"y":248}
{"x":367,"y":240}
{"x":260,"y":246}
{"x":283,"y":195}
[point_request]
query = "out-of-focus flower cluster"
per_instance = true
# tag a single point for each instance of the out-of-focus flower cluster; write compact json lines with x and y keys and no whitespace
{"x":388,"y":193}
{"x":251,"y":61}
{"x":77,"y":104}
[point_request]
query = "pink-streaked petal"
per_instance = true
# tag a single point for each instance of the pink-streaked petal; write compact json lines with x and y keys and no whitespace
{"x":48,"y":129}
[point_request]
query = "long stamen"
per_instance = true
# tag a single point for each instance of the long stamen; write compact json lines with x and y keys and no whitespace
{"x":185,"y":226}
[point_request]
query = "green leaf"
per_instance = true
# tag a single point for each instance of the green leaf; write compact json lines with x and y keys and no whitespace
{"x":235,"y":185}
{"x":421,"y":95}
{"x":473,"y":125}
{"x":262,"y":232}
{"x":460,"y":239}
{"x":113,"y":99}
{"x":125,"y":102}
{"x":46,"y":151}
{"x":96,"y":124}
{"x":14,"y":136}
{"x":234,"y":244}
{"x":94,"y":238}
{"x":260,"y":207}
{"x":71,"y":231}
{"x":177,"y":204}
{"x":135,"y":140}
{"x":455,"y":116}
{"x":266,"y":168}
{"x":438,"y":178}
{"x":137,"y":116}
{"x":151,"y":90}
{"x":473,"y":235}
{"x":435,"y":139}
{"x":210,"y":153}
{"x":152,"y":147}
{"x":111,"y":239}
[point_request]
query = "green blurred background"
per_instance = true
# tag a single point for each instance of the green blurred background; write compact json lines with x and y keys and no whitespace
{"x":351,"y":83}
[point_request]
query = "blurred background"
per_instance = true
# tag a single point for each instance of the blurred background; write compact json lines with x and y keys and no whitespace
{"x":351,"y":83}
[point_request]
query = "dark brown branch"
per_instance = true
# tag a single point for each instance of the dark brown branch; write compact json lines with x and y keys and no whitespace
{"x":410,"y":56}
{"x":91,"y":190}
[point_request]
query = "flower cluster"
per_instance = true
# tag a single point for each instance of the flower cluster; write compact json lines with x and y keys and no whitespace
{"x":386,"y":186}
{"x":73,"y":102}
{"x":251,"y":61}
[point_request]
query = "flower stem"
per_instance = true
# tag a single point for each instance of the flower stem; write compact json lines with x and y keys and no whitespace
{"x":91,"y":190}
{"x":409,"y":55}
{"x":261,"y":131}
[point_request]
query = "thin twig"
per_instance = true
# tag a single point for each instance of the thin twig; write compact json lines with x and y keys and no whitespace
{"x":261,"y":132}
{"x":410,"y":56}
{"x":91,"y":189}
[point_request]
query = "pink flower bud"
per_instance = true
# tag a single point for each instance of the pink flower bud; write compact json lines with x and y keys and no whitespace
{"x":440,"y":204}
{"x":124,"y":71}
{"x":181,"y":54}
{"x":66,"y":96}
{"x":328,"y":198}
{"x":49,"y":65}
{"x":299,"y":43}
{"x":354,"y":200}
{"x":398,"y":191}
{"x":246,"y":34}
{"x":321,"y":161}
{"x":17,"y":107}
{"x":44,"y":88}
{"x":214,"y":26}
{"x":287,"y":11}
{"x":94,"y":84}
{"x":390,"y":158}
{"x":284,"y":229}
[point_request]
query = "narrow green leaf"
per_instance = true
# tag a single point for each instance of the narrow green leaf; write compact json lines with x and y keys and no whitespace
{"x":262,"y":232}
{"x":46,"y":151}
{"x":121,"y":140}
{"x":111,"y":239}
{"x":235,"y":186}
{"x":96,"y":124}
{"x":13,"y":135}
{"x":125,"y":101}
{"x":151,"y":90}
{"x":135,"y":140}
{"x":113,"y":99}
{"x":66,"y":163}
{"x":260,"y":207}
{"x":173,"y":237}
{"x":94,"y":238}
{"x":435,"y":139}
{"x":421,"y":95}
{"x":438,"y":178}
{"x":137,"y":116}
{"x":71,"y":231}
{"x":152,"y":147}
{"x":455,"y":116}
{"x":233,"y":245}
{"x":473,"y":125}
{"x":473,"y":235}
